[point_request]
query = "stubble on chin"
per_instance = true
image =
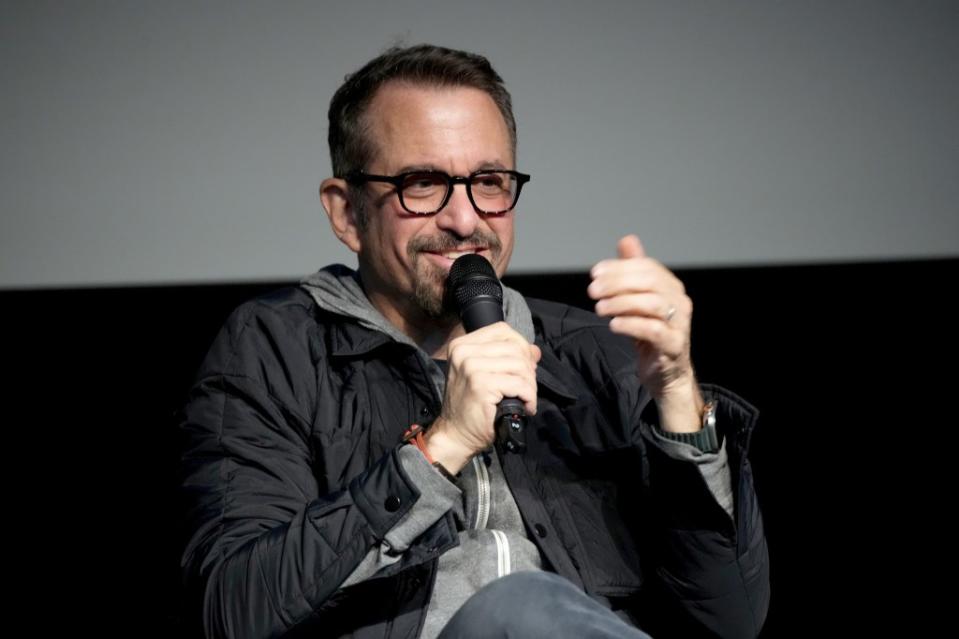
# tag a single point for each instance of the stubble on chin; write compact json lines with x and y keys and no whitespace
{"x":429,"y":290}
{"x":429,"y":285}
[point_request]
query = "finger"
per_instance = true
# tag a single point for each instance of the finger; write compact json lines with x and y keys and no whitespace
{"x":651,"y":305}
{"x":654,"y":332}
{"x":627,"y":248}
{"x":491,"y":332}
{"x":507,"y":365}
{"x":494,"y":334}
{"x":620,"y":282}
{"x":498,"y":349}
{"x":635,"y":277}
{"x":630,"y":246}
{"x":497,"y":332}
{"x":633,"y":264}
{"x":630,"y":265}
{"x":499,"y":387}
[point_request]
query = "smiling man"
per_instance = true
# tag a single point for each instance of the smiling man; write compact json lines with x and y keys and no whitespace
{"x":408,"y":231}
{"x":340,"y":462}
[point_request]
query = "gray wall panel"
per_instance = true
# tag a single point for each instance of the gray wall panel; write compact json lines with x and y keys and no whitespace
{"x":182,"y":141}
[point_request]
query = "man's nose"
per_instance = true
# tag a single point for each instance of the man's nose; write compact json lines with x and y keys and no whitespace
{"x":458,"y":216}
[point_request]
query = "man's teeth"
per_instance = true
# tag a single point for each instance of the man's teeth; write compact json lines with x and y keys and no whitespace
{"x":453,"y":256}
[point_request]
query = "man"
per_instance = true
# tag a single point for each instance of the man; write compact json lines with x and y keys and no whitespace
{"x":311,"y":512}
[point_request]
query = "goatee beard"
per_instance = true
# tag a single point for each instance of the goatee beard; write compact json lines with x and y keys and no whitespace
{"x":429,"y":291}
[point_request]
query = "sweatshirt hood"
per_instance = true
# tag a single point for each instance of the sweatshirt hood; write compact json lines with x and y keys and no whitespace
{"x":337,"y":289}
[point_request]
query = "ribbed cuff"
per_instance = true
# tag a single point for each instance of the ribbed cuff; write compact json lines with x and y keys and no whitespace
{"x":706,"y":439}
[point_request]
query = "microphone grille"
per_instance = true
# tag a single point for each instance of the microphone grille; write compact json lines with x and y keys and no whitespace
{"x":472,"y":276}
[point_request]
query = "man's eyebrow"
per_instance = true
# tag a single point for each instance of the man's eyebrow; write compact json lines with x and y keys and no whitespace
{"x":413,"y":168}
{"x":491,"y":166}
{"x":485,"y":166}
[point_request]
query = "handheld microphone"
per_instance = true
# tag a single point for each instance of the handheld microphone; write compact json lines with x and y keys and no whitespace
{"x":473,"y":286}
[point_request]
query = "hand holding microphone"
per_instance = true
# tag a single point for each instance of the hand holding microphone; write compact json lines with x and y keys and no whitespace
{"x":491,"y":386}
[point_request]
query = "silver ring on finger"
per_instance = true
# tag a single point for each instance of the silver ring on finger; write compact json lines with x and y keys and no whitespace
{"x":669,"y":313}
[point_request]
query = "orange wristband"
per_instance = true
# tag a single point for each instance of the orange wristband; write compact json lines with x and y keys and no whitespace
{"x":414,"y":436}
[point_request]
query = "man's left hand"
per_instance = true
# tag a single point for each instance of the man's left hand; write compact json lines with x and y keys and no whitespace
{"x":648,"y":303}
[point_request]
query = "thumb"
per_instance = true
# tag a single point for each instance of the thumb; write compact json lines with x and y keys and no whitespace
{"x":630,"y":246}
{"x":537,"y":353}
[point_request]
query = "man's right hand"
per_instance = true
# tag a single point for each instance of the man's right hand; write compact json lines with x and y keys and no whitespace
{"x":484,"y":367}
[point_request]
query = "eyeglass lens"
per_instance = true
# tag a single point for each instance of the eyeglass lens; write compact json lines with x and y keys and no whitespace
{"x":493,"y":192}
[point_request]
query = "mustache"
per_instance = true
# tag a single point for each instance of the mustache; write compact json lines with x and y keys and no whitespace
{"x":448,"y":242}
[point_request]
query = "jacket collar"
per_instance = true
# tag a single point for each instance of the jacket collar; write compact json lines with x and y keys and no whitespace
{"x":351,"y":340}
{"x":550,"y":373}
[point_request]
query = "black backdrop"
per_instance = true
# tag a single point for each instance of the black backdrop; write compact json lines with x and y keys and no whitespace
{"x":848,"y":363}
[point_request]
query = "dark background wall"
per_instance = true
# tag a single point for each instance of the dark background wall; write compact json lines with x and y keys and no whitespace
{"x":847,"y":362}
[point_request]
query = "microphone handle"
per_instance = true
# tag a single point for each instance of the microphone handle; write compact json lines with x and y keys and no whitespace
{"x":481,"y":311}
{"x":511,"y":424}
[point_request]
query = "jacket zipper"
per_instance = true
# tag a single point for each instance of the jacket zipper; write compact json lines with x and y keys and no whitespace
{"x":502,"y":553}
{"x":483,"y":505}
{"x":482,"y":492}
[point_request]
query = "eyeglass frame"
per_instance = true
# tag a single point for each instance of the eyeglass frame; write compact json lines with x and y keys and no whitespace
{"x":357,"y":178}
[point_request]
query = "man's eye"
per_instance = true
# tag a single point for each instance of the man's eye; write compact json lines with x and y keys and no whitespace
{"x":422,"y":182}
{"x":488,"y":182}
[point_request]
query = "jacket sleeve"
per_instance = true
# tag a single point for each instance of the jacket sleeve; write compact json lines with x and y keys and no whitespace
{"x":707,"y":573}
{"x":266,"y":548}
{"x":712,"y":573}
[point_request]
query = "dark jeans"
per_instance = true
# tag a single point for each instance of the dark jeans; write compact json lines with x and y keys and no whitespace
{"x":535,"y":605}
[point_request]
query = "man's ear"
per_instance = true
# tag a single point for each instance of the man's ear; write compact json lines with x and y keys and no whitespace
{"x":335,"y":198}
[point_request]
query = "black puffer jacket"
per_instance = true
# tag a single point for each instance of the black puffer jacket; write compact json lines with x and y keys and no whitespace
{"x":291,"y":477}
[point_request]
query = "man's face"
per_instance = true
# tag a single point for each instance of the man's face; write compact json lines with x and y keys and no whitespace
{"x":405,"y":259}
